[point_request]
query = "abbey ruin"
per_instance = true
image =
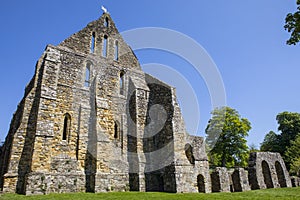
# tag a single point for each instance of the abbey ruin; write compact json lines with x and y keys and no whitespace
{"x":92,"y":121}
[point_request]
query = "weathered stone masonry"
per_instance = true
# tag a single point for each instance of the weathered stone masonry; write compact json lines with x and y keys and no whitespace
{"x":85,"y":124}
{"x":92,"y":121}
{"x":267,"y":170}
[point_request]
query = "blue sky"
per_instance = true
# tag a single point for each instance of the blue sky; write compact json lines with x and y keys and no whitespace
{"x":245,"y":39}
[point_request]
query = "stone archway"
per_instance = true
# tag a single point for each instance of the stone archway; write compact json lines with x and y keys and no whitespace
{"x":280,"y":174}
{"x":201,"y":183}
{"x":263,"y":167}
{"x":267,"y":174}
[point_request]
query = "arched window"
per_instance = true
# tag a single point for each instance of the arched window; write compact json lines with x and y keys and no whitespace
{"x":106,"y":22}
{"x":67,"y":126}
{"x":116,"y":57}
{"x":87,"y":75}
{"x":104,"y":50}
{"x":121,"y":82}
{"x":117,"y":130}
{"x":93,"y":42}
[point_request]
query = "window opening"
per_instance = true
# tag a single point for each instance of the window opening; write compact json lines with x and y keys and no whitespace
{"x":106,"y":22}
{"x":67,"y":124}
{"x":104,"y":51}
{"x":93,"y":43}
{"x":121,"y":81}
{"x":116,"y":50}
{"x":117,"y":131}
{"x":87,"y":75}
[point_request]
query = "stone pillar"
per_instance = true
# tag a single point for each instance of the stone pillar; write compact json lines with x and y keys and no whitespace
{"x":220,"y":180}
{"x":240,"y":180}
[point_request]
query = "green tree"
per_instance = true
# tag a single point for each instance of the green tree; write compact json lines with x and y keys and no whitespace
{"x":292,"y":156}
{"x":292,"y":25}
{"x":295,"y":167}
{"x":289,"y":125}
{"x":272,"y":142}
{"x":226,"y":132}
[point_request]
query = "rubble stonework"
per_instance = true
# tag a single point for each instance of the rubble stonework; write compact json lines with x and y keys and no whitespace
{"x":240,"y":180}
{"x":220,"y":180}
{"x":267,"y":170}
{"x":92,"y":121}
{"x":87,"y":123}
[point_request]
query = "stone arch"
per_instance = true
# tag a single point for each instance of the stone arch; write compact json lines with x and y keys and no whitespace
{"x":280,"y":174}
{"x":201,"y":183}
{"x":267,"y":174}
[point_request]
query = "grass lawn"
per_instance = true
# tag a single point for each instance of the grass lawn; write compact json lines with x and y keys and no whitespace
{"x":274,"y":194}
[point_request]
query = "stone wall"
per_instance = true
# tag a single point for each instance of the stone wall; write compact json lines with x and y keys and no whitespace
{"x":220,"y":180}
{"x":267,"y":170}
{"x":95,"y":122}
{"x":35,"y":143}
{"x":18,"y":147}
{"x":240,"y":180}
{"x":79,"y":127}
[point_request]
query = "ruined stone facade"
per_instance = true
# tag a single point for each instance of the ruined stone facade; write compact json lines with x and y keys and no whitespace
{"x":92,"y":121}
{"x":267,"y":170}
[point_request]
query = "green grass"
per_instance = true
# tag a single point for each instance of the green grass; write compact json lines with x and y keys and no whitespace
{"x":273,"y":194}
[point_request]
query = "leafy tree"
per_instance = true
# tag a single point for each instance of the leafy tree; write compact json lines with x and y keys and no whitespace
{"x":289,"y":125}
{"x":272,"y":142}
{"x":226,"y":132}
{"x":295,"y":167}
{"x":214,"y":159}
{"x":292,"y":156}
{"x":292,"y":25}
